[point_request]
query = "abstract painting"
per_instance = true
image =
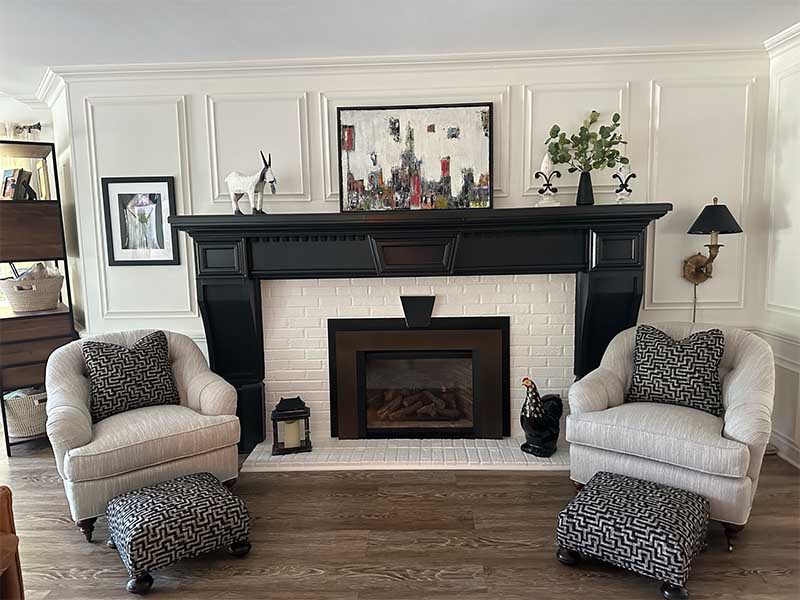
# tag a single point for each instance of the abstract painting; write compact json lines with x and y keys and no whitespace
{"x":415,"y":157}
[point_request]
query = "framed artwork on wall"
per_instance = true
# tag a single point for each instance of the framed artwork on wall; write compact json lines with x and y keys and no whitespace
{"x":136,"y":210}
{"x":415,"y":157}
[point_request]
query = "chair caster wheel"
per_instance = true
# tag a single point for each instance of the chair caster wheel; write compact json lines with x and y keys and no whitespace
{"x":674,"y":592}
{"x":239,"y":549}
{"x":567,"y":557}
{"x":141,"y":584}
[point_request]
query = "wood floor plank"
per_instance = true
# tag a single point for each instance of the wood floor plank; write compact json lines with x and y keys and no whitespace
{"x":383,"y":535}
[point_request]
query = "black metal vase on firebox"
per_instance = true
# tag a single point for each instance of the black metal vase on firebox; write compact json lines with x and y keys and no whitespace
{"x":540,"y":419}
{"x":585,"y":195}
{"x":295,"y":433}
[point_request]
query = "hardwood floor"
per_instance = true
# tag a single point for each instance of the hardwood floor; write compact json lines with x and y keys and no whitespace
{"x":396,"y":535}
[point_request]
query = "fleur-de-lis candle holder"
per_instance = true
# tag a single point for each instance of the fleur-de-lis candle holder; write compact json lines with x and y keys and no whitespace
{"x":547,"y":173}
{"x":623,"y":175}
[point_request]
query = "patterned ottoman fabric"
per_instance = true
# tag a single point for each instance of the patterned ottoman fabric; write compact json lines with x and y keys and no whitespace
{"x":650,"y":529}
{"x":161,"y":524}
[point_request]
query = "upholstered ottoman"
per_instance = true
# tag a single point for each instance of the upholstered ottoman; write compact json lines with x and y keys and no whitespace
{"x":650,"y":529}
{"x":160,"y":524}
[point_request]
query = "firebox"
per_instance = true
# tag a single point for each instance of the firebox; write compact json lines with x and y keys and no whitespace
{"x":449,"y":378}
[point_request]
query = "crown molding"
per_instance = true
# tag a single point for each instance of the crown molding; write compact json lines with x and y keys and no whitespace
{"x":416,"y":61}
{"x":783,"y":41}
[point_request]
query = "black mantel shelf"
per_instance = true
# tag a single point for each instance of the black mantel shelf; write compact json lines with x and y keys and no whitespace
{"x":603,"y":244}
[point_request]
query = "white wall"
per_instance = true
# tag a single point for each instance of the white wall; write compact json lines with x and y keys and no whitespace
{"x":778,"y":319}
{"x":697,"y":124}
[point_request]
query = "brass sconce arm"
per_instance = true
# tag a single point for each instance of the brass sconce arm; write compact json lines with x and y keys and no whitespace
{"x":698,"y":268}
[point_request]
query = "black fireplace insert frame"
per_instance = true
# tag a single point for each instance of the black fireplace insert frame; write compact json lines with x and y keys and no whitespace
{"x":501,"y":324}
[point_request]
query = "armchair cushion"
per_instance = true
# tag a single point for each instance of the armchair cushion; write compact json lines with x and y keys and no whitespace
{"x":123,"y":378}
{"x":145,"y":437}
{"x":683,"y":372}
{"x":666,"y":433}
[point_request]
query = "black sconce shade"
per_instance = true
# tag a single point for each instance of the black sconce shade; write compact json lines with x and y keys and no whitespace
{"x":715,"y":217}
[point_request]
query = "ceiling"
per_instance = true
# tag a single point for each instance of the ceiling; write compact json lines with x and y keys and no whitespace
{"x":45,"y":33}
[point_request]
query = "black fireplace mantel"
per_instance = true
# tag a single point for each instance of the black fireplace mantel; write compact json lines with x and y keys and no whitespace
{"x":604,"y":245}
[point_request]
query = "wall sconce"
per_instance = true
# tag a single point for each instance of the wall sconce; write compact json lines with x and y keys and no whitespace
{"x":294,"y":414}
{"x":714,"y":219}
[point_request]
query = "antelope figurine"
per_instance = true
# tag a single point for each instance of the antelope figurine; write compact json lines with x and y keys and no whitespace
{"x":252,"y":185}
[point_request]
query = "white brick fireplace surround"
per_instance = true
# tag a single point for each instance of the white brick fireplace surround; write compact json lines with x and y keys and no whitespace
{"x":295,"y":314}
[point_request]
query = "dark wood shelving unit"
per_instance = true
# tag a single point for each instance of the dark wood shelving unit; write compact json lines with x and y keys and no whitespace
{"x":32,"y":231}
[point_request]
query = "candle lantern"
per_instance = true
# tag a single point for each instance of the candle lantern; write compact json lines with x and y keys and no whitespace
{"x":295,"y":437}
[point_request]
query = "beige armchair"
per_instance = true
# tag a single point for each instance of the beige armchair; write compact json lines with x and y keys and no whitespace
{"x":143,"y":446}
{"x":719,"y":458}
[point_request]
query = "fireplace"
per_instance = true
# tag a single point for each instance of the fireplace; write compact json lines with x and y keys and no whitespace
{"x":447,"y":379}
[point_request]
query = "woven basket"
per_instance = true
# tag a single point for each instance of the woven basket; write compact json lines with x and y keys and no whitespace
{"x":26,"y":415}
{"x":32,"y":294}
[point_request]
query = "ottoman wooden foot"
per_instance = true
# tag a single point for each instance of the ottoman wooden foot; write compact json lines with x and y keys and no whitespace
{"x":230,"y":483}
{"x":239,"y":549}
{"x":140,"y":584}
{"x":110,"y":543}
{"x":674,"y":592}
{"x":567,"y":557}
{"x":87,"y":527}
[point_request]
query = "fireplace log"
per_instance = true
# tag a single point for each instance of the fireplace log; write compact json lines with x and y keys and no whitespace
{"x":406,"y":411}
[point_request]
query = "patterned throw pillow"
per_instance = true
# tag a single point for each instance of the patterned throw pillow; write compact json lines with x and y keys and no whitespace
{"x":683,"y":372}
{"x":122,"y":378}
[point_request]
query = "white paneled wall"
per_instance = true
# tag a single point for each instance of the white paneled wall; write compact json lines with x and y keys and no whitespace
{"x":697,"y":125}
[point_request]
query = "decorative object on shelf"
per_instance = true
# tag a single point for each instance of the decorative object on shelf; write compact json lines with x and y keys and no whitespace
{"x":26,"y":412}
{"x":38,"y":288}
{"x":547,"y":172}
{"x":296,"y":434}
{"x":388,"y":157}
{"x":586,"y":151}
{"x":16,"y":185}
{"x":252,"y":186}
{"x":136,"y":212}
{"x":714,"y":219}
{"x":623,"y":175}
{"x":541,"y":421}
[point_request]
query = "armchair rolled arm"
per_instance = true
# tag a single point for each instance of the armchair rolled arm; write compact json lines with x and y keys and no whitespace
{"x":748,"y":393}
{"x":598,"y":390}
{"x":69,"y":423}
{"x":210,"y":394}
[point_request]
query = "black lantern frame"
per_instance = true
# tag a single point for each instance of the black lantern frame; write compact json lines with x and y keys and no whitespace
{"x":291,"y":409}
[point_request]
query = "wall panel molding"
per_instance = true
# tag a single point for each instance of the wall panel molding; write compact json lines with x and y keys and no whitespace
{"x":219,"y":192}
{"x":182,"y":203}
{"x":737,"y":300}
{"x":499,"y":95}
{"x":775,"y":136}
{"x":532,"y":157}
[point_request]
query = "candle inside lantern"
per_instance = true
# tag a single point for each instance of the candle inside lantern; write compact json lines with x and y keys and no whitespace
{"x":291,"y":434}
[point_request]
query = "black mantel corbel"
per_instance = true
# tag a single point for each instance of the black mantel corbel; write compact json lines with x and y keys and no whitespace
{"x":604,"y":245}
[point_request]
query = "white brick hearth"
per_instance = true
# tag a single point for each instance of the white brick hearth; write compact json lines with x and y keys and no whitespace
{"x":295,"y":314}
{"x":335,"y":455}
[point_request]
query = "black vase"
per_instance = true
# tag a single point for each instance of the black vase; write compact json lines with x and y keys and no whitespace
{"x":585,"y":192}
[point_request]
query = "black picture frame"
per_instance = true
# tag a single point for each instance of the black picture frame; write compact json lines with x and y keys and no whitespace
{"x":340,"y":109}
{"x":113,"y":261}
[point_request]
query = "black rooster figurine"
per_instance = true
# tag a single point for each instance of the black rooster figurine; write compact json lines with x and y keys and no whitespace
{"x":540,"y":420}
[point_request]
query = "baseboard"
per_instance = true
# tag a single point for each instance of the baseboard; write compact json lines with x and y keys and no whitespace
{"x":788,"y":449}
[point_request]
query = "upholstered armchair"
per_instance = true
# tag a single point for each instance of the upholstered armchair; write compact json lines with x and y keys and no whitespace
{"x":719,"y":458}
{"x":11,"y":587}
{"x":143,"y":446}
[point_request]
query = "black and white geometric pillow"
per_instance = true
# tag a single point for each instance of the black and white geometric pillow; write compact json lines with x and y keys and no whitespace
{"x":683,"y":372}
{"x":651,"y":529}
{"x":122,"y":378}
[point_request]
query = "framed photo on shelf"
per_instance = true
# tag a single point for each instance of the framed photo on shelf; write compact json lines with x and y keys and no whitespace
{"x":415,"y":157}
{"x":136,"y":210}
